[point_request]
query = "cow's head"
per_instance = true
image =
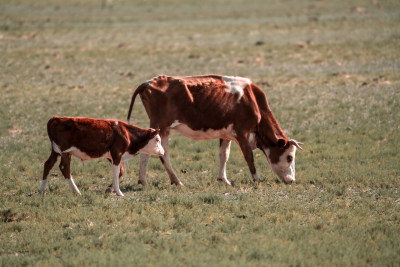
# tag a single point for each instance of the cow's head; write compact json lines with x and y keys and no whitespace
{"x":153,"y":146}
{"x":281,"y":156}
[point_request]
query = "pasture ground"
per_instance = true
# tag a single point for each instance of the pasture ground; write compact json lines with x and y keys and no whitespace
{"x":331,"y":71}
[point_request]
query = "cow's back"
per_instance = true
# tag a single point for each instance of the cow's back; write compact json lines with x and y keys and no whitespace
{"x":201,"y":102}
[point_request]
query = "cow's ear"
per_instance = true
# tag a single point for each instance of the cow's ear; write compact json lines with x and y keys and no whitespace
{"x":281,"y":143}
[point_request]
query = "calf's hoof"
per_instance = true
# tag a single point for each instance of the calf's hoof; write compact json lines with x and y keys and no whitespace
{"x":224,"y":181}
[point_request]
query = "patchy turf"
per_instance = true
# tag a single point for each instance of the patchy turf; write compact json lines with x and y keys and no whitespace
{"x":331,"y":73}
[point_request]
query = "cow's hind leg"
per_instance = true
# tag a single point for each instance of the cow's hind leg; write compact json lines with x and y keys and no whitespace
{"x":144,"y":161}
{"x":66,"y":171}
{"x":48,"y":166}
{"x":166,"y":160}
{"x":224,"y":150}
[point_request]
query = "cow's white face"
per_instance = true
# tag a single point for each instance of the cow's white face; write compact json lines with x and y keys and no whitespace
{"x":282,"y":161}
{"x":285,"y":167}
{"x":153,"y":147}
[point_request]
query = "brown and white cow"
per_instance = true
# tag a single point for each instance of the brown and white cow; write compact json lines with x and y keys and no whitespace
{"x":87,"y":138}
{"x":215,"y":106}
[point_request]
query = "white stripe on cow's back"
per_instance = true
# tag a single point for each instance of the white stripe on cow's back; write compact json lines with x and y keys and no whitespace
{"x":235,"y":85}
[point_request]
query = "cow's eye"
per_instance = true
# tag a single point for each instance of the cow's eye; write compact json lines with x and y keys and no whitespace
{"x":289,"y":158}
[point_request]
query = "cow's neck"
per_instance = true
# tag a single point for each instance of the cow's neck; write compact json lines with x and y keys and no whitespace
{"x":269,"y":130}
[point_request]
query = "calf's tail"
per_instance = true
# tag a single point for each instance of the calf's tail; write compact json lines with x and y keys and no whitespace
{"x":138,"y":90}
{"x":49,"y":127}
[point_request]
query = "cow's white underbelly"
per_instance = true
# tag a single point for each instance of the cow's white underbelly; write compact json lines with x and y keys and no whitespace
{"x":224,"y":133}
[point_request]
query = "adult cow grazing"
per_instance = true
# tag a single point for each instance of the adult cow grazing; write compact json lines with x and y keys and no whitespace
{"x":87,"y":138}
{"x":215,"y":106}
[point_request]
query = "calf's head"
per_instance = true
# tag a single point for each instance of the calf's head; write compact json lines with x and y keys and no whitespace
{"x":281,"y":156}
{"x":153,"y":147}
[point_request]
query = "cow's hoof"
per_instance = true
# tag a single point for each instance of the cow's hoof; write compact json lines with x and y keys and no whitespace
{"x":177,"y":183}
{"x":142,"y":182}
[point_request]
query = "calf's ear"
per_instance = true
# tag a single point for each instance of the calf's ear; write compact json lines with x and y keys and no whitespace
{"x":155,"y":132}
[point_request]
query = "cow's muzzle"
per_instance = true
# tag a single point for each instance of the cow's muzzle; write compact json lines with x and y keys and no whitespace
{"x":288,"y":179}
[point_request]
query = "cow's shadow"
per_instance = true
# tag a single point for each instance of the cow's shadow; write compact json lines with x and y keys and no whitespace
{"x":131,"y":188}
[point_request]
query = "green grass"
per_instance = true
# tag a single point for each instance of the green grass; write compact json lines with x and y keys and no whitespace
{"x":331,"y":71}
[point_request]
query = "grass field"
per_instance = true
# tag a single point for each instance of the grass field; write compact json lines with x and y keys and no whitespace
{"x":331,"y":71}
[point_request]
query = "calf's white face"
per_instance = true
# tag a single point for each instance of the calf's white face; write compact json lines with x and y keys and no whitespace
{"x":153,"y":147}
{"x":285,"y":166}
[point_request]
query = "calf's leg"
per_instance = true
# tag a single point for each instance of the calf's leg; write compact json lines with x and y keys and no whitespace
{"x":48,"y":166}
{"x":115,"y":184}
{"x":110,"y":188}
{"x":117,"y":170}
{"x":224,"y":150}
{"x":66,"y":171}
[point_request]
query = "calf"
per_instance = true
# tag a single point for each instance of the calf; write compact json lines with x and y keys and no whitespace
{"x":216,"y":106}
{"x":87,"y":138}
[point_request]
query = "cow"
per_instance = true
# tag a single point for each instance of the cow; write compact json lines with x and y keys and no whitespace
{"x":215,"y":106}
{"x":87,"y":138}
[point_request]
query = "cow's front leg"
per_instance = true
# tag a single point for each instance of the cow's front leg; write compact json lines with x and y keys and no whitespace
{"x":248,"y":155}
{"x":166,"y":160}
{"x":224,"y":150}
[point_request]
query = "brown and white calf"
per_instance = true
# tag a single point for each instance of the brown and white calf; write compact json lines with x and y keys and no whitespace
{"x":215,"y":106}
{"x":87,"y":138}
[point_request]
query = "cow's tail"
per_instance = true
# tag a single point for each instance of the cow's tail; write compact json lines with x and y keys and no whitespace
{"x":138,"y":90}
